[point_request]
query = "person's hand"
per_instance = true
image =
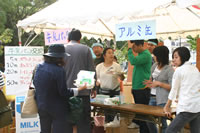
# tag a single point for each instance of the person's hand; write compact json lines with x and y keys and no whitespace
{"x":167,"y":111}
{"x":82,"y":87}
{"x":97,"y":83}
{"x":147,"y":83}
{"x":155,"y":84}
{"x":130,"y":45}
{"x":93,"y":93}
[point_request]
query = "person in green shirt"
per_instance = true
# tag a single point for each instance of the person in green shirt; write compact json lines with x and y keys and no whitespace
{"x":141,"y":72}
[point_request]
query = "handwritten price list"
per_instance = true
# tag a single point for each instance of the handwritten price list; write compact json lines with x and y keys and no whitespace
{"x":19,"y":65}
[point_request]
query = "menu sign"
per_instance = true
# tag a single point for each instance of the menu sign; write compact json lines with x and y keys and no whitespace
{"x":19,"y":65}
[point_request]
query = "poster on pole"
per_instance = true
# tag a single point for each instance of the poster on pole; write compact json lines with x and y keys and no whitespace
{"x":25,"y":123}
{"x":56,"y":36}
{"x":19,"y":65}
{"x":136,"y":30}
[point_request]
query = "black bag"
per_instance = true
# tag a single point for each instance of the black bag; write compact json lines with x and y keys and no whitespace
{"x":5,"y":111}
{"x":76,"y":109}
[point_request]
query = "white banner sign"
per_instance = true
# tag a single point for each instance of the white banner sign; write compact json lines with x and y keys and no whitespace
{"x":19,"y":64}
{"x":136,"y":30}
{"x":25,"y":123}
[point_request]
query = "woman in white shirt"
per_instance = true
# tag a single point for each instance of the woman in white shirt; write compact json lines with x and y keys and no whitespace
{"x":186,"y":87}
{"x":107,"y":74}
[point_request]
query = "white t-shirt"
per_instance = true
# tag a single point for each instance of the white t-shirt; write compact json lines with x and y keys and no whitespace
{"x":107,"y":80}
{"x":155,"y":74}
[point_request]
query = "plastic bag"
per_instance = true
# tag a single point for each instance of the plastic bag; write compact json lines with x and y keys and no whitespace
{"x":76,"y":109}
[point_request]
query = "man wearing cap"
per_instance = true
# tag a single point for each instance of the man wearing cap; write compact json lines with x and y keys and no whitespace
{"x":98,"y":50}
{"x":80,"y":59}
{"x":152,"y":43}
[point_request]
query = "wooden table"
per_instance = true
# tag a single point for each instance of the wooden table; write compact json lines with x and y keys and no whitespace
{"x":136,"y":111}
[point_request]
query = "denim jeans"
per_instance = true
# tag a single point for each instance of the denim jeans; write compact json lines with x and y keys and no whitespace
{"x":152,"y":127}
{"x":183,"y":118}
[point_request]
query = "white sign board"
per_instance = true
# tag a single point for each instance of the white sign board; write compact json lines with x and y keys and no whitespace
{"x":25,"y":123}
{"x":136,"y":30}
{"x":19,"y":65}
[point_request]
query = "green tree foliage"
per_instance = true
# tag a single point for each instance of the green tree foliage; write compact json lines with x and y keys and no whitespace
{"x":11,"y":11}
{"x":193,"y":42}
{"x":121,"y":51}
{"x":6,"y":36}
{"x":87,"y":41}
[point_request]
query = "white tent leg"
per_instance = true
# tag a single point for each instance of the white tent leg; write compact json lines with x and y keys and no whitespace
{"x":20,"y":36}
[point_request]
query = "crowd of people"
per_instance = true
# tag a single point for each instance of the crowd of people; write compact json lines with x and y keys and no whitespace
{"x":183,"y":86}
{"x":154,"y":82}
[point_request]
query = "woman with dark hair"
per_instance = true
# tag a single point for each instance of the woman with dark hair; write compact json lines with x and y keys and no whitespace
{"x":107,"y":76}
{"x":185,"y":87}
{"x":51,"y":91}
{"x":160,"y":82}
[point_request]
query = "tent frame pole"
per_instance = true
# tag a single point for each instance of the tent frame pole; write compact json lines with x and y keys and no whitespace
{"x":107,"y":27}
{"x":193,"y":12}
{"x":20,"y":36}
{"x":32,"y":39}
{"x":115,"y":45}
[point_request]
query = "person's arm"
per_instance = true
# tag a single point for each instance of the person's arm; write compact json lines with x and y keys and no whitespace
{"x":140,"y":59}
{"x":166,"y":86}
{"x":161,"y":85}
{"x":62,"y":87}
{"x":90,"y":62}
{"x":167,"y":108}
{"x":76,"y":90}
{"x":173,"y":92}
{"x":149,"y":82}
{"x":98,"y":74}
{"x":91,"y":67}
{"x":176,"y":83}
{"x":1,"y":81}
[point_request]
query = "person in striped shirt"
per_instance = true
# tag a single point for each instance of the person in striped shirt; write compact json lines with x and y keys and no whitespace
{"x":1,"y":81}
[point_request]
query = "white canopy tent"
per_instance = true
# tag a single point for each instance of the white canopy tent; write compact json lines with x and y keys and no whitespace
{"x":98,"y":18}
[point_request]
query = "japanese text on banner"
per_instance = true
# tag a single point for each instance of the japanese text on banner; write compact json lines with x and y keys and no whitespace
{"x":56,"y":36}
{"x":136,"y":30}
